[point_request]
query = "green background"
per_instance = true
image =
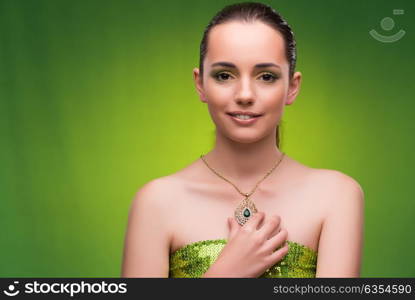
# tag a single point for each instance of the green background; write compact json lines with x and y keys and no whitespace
{"x":97,"y":98}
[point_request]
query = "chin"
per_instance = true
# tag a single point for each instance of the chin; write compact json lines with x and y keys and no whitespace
{"x":246,"y":139}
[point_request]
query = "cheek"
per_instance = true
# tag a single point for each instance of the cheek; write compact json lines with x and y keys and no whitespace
{"x":274,"y":99}
{"x":218,"y":96}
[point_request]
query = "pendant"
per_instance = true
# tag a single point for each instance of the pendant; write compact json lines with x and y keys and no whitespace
{"x":244,"y":211}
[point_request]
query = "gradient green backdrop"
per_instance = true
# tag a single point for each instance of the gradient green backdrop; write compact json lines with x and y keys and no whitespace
{"x":97,"y":98}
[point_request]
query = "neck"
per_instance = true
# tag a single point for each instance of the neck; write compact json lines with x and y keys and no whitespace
{"x":244,"y":163}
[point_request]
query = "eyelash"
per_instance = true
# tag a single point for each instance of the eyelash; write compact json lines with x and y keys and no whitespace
{"x":273,"y":77}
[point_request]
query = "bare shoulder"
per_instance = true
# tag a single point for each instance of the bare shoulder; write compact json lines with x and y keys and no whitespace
{"x":342,"y":204}
{"x":337,"y":183}
{"x":148,"y":235}
{"x":153,"y":187}
{"x":330,"y":186}
{"x":338,"y":192}
{"x":163,"y":195}
{"x":156,"y":192}
{"x":314,"y":173}
{"x":335,"y":179}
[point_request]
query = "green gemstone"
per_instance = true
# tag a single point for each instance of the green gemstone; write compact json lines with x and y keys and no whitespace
{"x":247,"y":213}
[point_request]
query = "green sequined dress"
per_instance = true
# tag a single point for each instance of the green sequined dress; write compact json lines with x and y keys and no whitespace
{"x":194,"y":259}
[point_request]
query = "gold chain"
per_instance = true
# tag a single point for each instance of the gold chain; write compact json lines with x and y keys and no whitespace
{"x":253,"y":190}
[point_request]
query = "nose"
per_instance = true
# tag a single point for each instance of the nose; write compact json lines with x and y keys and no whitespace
{"x":245,"y":93}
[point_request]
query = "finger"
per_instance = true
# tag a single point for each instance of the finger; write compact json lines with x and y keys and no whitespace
{"x":271,"y":226}
{"x":262,"y":222}
{"x":273,"y":243}
{"x":232,"y":228}
{"x":254,"y":221}
{"x":276,"y":230}
{"x":279,"y":254}
{"x":229,"y":226}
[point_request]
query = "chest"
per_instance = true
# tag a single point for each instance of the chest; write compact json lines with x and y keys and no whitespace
{"x":201,"y":213}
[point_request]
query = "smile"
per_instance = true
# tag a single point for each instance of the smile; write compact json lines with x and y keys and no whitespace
{"x":244,"y":119}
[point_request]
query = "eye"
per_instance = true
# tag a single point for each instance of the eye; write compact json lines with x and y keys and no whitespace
{"x":222,"y":76}
{"x":269,"y":77}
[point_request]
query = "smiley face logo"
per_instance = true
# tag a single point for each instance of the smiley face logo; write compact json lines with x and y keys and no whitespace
{"x":11,"y":289}
{"x":387,"y":24}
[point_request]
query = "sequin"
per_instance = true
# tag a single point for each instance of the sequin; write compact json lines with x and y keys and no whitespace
{"x":194,"y":259}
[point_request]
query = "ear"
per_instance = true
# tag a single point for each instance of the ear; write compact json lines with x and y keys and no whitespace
{"x":198,"y":83}
{"x":294,"y":88}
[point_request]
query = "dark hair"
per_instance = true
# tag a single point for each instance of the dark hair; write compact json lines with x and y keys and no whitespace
{"x":251,"y":12}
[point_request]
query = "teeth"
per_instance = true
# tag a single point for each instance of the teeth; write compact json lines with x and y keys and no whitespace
{"x":243,"y":117}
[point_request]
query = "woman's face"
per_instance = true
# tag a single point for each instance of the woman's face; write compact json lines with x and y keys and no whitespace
{"x":246,"y":70}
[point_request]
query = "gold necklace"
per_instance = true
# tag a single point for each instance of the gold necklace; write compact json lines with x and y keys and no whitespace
{"x":246,"y":208}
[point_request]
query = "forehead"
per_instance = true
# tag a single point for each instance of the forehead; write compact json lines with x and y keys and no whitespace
{"x":245,"y":43}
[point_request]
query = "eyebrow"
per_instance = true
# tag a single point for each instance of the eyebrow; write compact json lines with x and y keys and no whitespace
{"x":231,"y":65}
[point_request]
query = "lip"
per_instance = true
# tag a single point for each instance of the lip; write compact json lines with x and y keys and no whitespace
{"x":248,"y":113}
{"x":244,"y":122}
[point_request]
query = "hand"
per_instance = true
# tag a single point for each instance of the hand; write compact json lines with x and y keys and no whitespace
{"x":250,"y":250}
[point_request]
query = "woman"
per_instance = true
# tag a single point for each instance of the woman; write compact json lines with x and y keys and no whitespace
{"x":245,"y":209}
